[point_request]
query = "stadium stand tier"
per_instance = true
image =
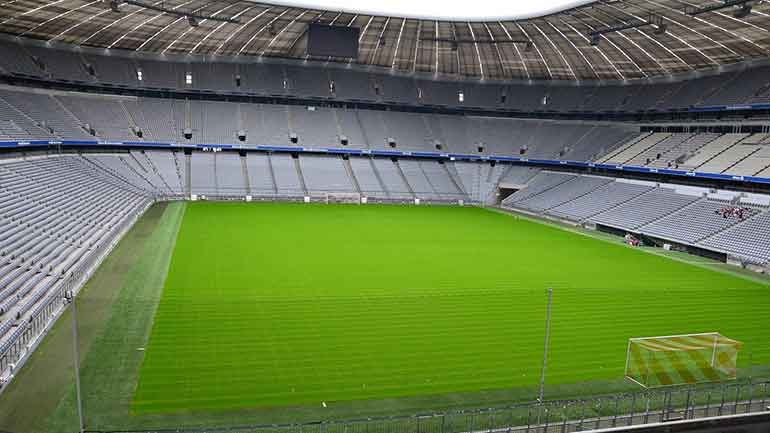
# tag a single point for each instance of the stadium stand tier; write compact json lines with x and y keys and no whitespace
{"x":36,"y":114}
{"x":599,"y":200}
{"x":314,"y":81}
{"x":57,"y":216}
{"x":112,"y":118}
{"x":682,"y":214}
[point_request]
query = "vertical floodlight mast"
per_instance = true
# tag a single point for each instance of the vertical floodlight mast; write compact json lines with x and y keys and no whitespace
{"x":545,"y":346}
{"x":76,"y":359}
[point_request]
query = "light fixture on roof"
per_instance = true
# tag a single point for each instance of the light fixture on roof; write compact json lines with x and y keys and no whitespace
{"x":743,"y":8}
{"x":454,"y":43}
{"x":652,"y":20}
{"x":743,"y":11}
{"x":114,"y":5}
{"x":192,"y":21}
{"x":659,"y":23}
{"x":175,"y":11}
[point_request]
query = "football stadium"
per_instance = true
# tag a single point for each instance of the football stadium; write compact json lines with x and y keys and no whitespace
{"x":333,"y":216}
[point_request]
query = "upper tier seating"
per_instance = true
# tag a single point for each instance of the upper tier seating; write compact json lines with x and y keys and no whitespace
{"x":26,"y":114}
{"x":753,"y":164}
{"x":730,"y":157}
{"x":106,"y":116}
{"x":711,"y":150}
{"x":656,"y":152}
{"x":678,"y":153}
{"x":634,"y":147}
{"x":17,"y":125}
{"x":315,"y":81}
{"x":45,"y":109}
{"x":132,"y":119}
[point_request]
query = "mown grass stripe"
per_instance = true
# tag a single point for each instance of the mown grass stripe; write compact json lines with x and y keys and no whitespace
{"x":271,"y":305}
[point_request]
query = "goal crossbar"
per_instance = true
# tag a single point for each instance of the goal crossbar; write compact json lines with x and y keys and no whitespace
{"x":684,"y":342}
{"x":342,"y":197}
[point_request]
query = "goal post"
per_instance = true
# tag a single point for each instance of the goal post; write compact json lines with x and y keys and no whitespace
{"x":342,"y":197}
{"x":681,"y":359}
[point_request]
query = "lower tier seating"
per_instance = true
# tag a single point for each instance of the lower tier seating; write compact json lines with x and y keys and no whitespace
{"x":57,"y":215}
{"x":734,"y":223}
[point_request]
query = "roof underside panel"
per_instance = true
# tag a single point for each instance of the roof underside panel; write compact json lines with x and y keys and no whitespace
{"x":560,"y":46}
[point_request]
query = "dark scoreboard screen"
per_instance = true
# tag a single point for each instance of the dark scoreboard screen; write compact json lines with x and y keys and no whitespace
{"x":332,"y":41}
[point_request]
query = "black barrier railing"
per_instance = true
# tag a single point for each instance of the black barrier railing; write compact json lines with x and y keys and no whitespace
{"x":558,"y":416}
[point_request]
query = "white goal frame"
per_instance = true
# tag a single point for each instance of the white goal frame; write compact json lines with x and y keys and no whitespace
{"x":342,"y":197}
{"x":713,"y":341}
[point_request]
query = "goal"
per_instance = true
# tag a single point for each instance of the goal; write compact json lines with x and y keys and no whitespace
{"x":342,"y":197}
{"x":681,"y":359}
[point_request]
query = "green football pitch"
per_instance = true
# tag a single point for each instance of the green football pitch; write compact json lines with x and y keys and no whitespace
{"x":274,"y":305}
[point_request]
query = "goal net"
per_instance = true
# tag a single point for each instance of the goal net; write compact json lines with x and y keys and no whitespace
{"x":342,"y":197}
{"x":681,"y":359}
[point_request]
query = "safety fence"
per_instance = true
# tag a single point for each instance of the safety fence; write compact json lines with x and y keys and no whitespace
{"x":557,"y":416}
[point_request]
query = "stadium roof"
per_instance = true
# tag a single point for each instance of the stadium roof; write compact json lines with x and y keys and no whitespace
{"x":666,"y":36}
